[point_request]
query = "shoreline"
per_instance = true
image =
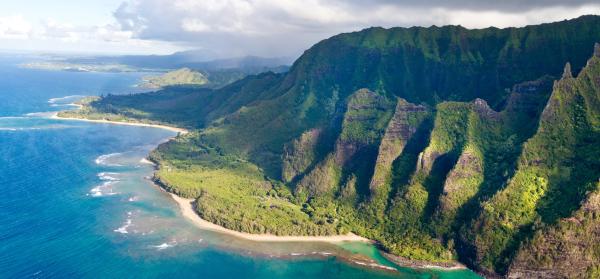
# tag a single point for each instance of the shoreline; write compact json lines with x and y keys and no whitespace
{"x":187,"y":210}
{"x":139,"y":124}
{"x":449,"y":266}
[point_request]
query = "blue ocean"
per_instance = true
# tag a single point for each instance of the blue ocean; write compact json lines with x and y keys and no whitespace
{"x":77,"y":202}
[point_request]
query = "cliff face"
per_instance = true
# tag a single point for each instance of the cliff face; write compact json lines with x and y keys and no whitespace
{"x":407,"y":120}
{"x":568,"y":249}
{"x":354,"y":154}
{"x":557,"y":166}
{"x":420,"y":65}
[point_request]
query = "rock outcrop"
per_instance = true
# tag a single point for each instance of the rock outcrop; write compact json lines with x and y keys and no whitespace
{"x":405,"y":122}
{"x":569,"y":249}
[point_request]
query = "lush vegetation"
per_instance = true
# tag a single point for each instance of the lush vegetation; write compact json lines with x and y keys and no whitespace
{"x":569,"y":248}
{"x":441,"y":143}
{"x":233,"y":193}
{"x":556,"y":169}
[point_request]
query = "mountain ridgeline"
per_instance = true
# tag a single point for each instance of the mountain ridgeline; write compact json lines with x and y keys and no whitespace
{"x":441,"y":143}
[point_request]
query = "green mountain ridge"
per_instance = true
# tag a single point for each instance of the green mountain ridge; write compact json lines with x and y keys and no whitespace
{"x":443,"y":144}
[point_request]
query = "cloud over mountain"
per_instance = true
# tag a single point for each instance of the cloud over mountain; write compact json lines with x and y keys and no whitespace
{"x":276,"y":27}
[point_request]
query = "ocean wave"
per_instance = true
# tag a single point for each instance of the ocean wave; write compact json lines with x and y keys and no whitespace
{"x":11,"y":117}
{"x":102,"y":159}
{"x":374,"y":265}
{"x":65,"y":105}
{"x":103,"y":190}
{"x":123,"y":229}
{"x":146,"y":161}
{"x":34,"y":128}
{"x":106,"y":188}
{"x":164,"y":245}
{"x":43,"y":114}
{"x":106,"y":176}
{"x":65,"y":98}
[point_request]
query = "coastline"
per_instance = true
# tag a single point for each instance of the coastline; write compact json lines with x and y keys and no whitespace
{"x":449,"y":266}
{"x":165,"y":127}
{"x":187,"y":210}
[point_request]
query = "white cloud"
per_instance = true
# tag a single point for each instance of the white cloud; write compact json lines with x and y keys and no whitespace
{"x":275,"y":27}
{"x":194,"y":25}
{"x":17,"y":33}
{"x":481,"y":19}
{"x":286,"y":27}
{"x":15,"y":27}
{"x":112,"y":33}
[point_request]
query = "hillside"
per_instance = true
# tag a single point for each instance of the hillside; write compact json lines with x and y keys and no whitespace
{"x":183,"y":76}
{"x":441,"y":143}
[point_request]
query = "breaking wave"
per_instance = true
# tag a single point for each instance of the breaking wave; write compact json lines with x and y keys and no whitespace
{"x":106,"y":188}
{"x":103,"y":160}
{"x":164,"y":246}
{"x":123,"y":229}
{"x":64,"y":101}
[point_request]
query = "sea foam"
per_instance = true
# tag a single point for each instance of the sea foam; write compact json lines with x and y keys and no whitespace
{"x":123,"y":229}
{"x":105,"y":189}
{"x":12,"y":117}
{"x":146,"y":161}
{"x":41,"y":114}
{"x":58,"y":101}
{"x":102,"y":160}
{"x":107,"y":176}
{"x":164,"y":246}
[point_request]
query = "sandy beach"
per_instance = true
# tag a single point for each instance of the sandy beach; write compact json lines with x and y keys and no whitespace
{"x":170,"y":128}
{"x":186,"y":207}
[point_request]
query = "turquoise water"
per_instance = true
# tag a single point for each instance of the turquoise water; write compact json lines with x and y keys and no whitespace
{"x":76,"y":201}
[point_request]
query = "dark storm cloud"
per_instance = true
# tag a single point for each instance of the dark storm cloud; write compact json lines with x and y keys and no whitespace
{"x":478,"y":5}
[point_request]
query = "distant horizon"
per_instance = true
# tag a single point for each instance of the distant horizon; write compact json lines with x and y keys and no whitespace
{"x":94,"y":53}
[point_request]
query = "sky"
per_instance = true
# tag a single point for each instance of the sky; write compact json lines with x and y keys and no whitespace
{"x":232,"y":28}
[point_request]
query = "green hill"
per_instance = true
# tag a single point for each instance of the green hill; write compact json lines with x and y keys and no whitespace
{"x":183,"y":76}
{"x":441,"y":143}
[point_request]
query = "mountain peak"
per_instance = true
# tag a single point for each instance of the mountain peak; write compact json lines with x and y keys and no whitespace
{"x":567,"y":71}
